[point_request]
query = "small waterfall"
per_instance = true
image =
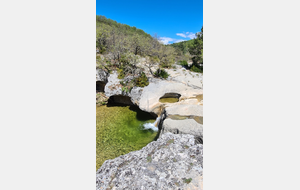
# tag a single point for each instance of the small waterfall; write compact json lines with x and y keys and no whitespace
{"x":152,"y":126}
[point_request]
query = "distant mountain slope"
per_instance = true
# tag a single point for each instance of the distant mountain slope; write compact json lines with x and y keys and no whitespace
{"x":102,"y":21}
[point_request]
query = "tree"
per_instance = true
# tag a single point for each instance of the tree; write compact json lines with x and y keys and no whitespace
{"x":196,"y":49}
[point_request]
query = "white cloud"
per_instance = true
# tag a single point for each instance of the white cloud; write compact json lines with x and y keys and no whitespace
{"x":190,"y":35}
{"x":181,"y":34}
{"x":166,"y":40}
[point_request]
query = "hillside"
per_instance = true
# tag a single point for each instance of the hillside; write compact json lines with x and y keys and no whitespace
{"x":121,"y":45}
{"x":183,"y":46}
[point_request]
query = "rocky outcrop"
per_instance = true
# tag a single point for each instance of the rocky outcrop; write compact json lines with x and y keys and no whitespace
{"x":149,"y":100}
{"x":171,"y":162}
{"x":185,"y":110}
{"x":180,"y":74}
{"x":113,"y":86}
{"x":186,"y":126}
{"x":101,"y":75}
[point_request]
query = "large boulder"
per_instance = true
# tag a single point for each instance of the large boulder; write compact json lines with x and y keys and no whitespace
{"x":171,"y":162}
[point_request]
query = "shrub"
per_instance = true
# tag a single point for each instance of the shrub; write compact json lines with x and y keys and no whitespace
{"x":196,"y":68}
{"x":161,"y":73}
{"x":184,"y":64}
{"x":142,"y":81}
{"x":121,"y":74}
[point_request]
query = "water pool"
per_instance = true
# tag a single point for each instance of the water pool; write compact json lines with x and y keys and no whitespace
{"x":119,"y":130}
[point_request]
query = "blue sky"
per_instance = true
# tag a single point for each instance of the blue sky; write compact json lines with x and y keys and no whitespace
{"x":172,"y":21}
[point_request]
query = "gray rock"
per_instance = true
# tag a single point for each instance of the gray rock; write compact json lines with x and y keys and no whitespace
{"x":113,"y":86}
{"x":185,"y":110}
{"x":101,"y":75}
{"x":135,"y":94}
{"x":149,"y":100}
{"x":186,"y":126}
{"x":171,"y":162}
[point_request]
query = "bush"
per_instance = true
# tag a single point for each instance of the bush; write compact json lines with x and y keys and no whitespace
{"x":184,"y":64}
{"x":161,"y":73}
{"x":121,"y":74}
{"x":196,"y":68}
{"x":142,"y":81}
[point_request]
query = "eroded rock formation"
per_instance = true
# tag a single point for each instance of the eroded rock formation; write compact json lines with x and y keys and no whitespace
{"x":171,"y":162}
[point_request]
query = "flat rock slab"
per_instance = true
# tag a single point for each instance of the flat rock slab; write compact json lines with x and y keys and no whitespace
{"x":172,"y":162}
{"x":187,"y":77}
{"x":185,"y":126}
{"x":154,"y":91}
{"x":185,"y":110}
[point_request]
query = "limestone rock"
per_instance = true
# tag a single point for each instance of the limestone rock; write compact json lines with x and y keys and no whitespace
{"x":171,"y":162}
{"x":185,"y":126}
{"x":149,"y":100}
{"x":187,"y":77}
{"x":185,"y":110}
{"x":101,"y":75}
{"x":113,"y":86}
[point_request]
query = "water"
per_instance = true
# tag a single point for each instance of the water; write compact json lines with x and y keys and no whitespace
{"x":120,"y":130}
{"x":152,"y":126}
{"x":168,"y":100}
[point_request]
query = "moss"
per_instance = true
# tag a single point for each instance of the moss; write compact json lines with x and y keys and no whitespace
{"x":118,"y":131}
{"x":149,"y":159}
{"x":187,"y":180}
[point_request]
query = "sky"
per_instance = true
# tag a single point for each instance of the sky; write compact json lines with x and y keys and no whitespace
{"x":173,"y":21}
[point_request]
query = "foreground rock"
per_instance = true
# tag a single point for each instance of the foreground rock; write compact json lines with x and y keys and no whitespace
{"x":171,"y":162}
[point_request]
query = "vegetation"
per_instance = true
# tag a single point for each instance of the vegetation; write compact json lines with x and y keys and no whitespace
{"x":196,"y":49}
{"x":123,"y":44}
{"x":142,"y":81}
{"x":161,"y":73}
{"x":101,"y":99}
{"x":187,"y":180}
{"x":120,"y":47}
{"x":191,"y":49}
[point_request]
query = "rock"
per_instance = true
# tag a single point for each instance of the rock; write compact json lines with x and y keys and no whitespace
{"x":113,"y":86}
{"x":187,"y":77}
{"x":171,"y":162}
{"x":135,"y":94}
{"x":101,"y":75}
{"x":185,"y":126}
{"x":149,"y":100}
{"x":185,"y":110}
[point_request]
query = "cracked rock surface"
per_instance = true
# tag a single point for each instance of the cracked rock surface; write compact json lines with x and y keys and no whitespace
{"x":174,"y":161}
